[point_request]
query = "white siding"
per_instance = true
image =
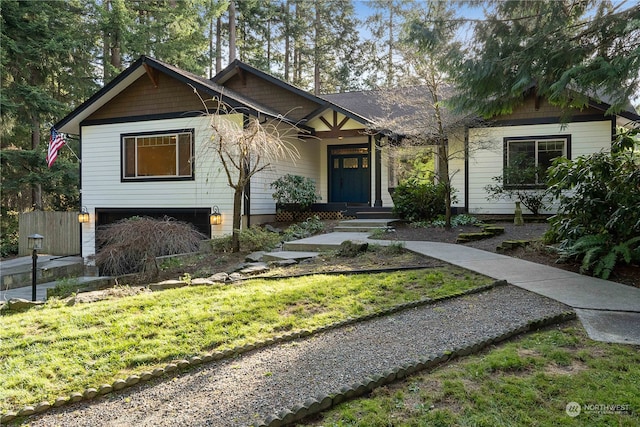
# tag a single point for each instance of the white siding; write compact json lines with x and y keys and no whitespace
{"x":307,"y":165}
{"x":487,"y":161}
{"x":101,"y":176}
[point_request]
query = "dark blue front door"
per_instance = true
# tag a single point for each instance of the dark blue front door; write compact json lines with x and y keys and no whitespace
{"x":349,"y":174}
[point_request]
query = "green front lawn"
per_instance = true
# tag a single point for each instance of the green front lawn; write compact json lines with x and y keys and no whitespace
{"x":526,"y":382}
{"x":55,"y":349}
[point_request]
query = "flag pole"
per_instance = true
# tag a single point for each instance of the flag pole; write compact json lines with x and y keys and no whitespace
{"x":70,"y":149}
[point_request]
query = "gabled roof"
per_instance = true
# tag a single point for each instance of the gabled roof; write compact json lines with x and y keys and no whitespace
{"x":71,"y":123}
{"x":324,"y":103}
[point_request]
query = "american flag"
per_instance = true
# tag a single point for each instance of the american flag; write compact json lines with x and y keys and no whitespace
{"x":55,"y":143}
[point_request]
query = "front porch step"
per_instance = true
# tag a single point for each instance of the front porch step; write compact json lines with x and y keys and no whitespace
{"x":375,"y":214}
{"x":363,"y":225}
{"x":363,"y":212}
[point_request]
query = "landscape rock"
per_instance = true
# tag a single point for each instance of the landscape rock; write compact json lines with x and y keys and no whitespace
{"x":283,"y":262}
{"x":255,"y":256}
{"x":22,"y":304}
{"x":167,"y":284}
{"x":255,"y":268}
{"x":235,"y":277}
{"x":202,"y":281}
{"x":272,"y":229}
{"x":219,"y":277}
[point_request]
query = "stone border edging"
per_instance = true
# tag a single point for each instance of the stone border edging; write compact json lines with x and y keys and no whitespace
{"x":183,"y":364}
{"x":321,"y":403}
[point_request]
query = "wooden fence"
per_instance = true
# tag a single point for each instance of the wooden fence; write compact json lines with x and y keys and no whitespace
{"x":61,"y":232}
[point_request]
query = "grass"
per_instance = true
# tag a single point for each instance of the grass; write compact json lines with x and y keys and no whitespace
{"x":55,"y":349}
{"x":528,"y":381}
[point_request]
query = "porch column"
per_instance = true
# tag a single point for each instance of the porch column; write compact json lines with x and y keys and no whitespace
{"x":378,"y":176}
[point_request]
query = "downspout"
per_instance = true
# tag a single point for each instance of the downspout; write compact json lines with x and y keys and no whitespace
{"x":466,"y":169}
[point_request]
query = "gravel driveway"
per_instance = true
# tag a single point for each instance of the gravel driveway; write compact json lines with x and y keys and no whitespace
{"x":247,"y":389}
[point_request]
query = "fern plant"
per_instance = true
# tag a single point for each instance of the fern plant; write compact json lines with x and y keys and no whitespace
{"x":600,"y":255}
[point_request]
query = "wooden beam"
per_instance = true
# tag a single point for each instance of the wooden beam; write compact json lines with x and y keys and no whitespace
{"x":343,"y":122}
{"x":340,"y":133}
{"x":153,"y":74}
{"x":326,"y":122}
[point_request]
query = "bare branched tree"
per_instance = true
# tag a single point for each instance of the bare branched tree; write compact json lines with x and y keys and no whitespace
{"x":245,"y":147}
{"x":417,"y":119}
{"x":416,"y":115}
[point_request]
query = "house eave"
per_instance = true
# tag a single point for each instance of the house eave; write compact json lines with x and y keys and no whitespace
{"x":73,"y":121}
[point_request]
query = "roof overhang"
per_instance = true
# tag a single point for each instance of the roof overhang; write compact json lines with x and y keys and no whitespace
{"x":72,"y":122}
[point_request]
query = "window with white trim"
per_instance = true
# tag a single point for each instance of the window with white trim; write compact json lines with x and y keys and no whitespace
{"x":162,"y":155}
{"x":528,"y":158}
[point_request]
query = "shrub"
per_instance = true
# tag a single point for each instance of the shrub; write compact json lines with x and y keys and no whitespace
{"x":296,"y":191}
{"x":132,"y":245}
{"x":309,"y":227}
{"x":598,"y":196}
{"x":251,"y":239}
{"x":258,"y":239}
{"x":64,"y":288}
{"x":600,"y":255}
{"x":534,"y":199}
{"x":419,"y":202}
{"x":456,"y":221}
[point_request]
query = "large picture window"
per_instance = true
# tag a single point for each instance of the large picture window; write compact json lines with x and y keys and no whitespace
{"x":528,"y":158}
{"x":166,"y":155}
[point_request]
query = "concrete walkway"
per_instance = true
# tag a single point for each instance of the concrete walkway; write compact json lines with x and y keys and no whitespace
{"x":609,"y":311}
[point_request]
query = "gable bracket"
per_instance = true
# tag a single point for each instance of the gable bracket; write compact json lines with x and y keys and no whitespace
{"x":343,"y":122}
{"x":152,"y":73}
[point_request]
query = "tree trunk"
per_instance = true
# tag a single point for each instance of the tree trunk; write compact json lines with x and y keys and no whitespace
{"x":237,"y":216}
{"x":316,"y":52}
{"x":36,"y":189}
{"x":218,"y":45}
{"x":287,"y":40}
{"x":232,"y":31}
{"x":390,"y":64}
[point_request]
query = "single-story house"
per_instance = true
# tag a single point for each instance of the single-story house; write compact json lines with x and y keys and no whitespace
{"x":144,"y":139}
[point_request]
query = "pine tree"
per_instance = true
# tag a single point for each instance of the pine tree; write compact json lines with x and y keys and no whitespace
{"x":568,"y":50}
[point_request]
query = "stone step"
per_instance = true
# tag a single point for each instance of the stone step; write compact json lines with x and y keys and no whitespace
{"x":356,"y":229}
{"x":375,"y":215}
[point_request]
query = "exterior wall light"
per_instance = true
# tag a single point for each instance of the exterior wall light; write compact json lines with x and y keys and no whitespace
{"x":215,"y":218}
{"x":83,"y":216}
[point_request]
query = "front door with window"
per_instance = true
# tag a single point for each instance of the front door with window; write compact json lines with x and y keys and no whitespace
{"x":349,"y":175}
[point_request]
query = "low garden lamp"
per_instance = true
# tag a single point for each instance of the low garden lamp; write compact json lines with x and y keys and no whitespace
{"x":215,"y":218}
{"x":34,"y":243}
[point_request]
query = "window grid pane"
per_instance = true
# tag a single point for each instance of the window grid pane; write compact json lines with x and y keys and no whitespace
{"x":158,"y":156}
{"x":532,"y":155}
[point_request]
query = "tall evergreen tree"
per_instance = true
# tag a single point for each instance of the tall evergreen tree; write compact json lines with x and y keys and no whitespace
{"x":568,"y":50}
{"x":46,"y":67}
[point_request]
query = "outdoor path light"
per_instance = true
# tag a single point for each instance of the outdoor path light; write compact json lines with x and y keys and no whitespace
{"x":34,"y":242}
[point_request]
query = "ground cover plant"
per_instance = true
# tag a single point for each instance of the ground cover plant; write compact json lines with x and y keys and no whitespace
{"x":528,"y":381}
{"x":56,"y":349}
